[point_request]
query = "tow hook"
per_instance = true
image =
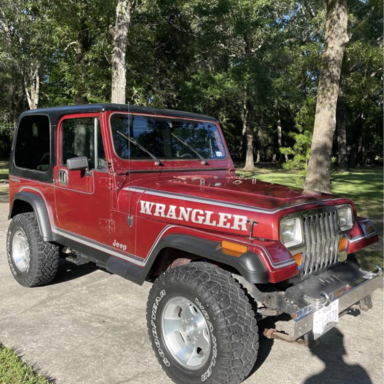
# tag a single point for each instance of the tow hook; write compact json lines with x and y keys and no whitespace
{"x":308,"y":341}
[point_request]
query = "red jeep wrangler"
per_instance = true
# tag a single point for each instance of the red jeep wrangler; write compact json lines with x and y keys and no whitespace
{"x":152,"y":195}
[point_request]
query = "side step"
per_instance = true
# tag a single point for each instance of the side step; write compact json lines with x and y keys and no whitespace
{"x":75,"y":257}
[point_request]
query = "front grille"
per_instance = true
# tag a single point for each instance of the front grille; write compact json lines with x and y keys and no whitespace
{"x":321,"y":235}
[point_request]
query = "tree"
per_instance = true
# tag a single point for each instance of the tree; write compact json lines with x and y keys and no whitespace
{"x":120,"y":40}
{"x":253,"y":64}
{"x":80,"y":66}
{"x":336,"y":38}
{"x":26,"y":37}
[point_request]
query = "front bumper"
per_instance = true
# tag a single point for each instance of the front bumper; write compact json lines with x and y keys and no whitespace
{"x":346,"y":283}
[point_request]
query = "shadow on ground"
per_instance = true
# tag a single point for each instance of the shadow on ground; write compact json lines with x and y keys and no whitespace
{"x":69,"y":271}
{"x":330,"y":351}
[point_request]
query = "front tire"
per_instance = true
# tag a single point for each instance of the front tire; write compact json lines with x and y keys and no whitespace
{"x":202,"y":326}
{"x":33,"y":262}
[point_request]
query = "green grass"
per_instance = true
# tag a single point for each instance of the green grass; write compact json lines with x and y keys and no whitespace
{"x":4,"y":170}
{"x":13,"y":370}
{"x":4,"y":177}
{"x":364,"y":186}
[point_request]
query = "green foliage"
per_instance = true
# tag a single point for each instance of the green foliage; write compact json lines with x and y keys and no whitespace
{"x":205,"y":56}
{"x":300,"y":152}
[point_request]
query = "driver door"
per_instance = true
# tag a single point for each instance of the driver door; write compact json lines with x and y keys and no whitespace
{"x":83,"y":197}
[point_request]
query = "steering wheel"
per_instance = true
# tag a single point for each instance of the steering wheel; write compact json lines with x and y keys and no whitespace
{"x":186,"y":155}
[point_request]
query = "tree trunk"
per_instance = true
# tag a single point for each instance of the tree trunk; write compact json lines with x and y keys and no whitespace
{"x":120,"y":38}
{"x":341,"y":134}
{"x":260,"y":137}
{"x":279,"y":138}
{"x":258,"y":156}
{"x":336,"y":38}
{"x":352,"y":163}
{"x":244,"y":130}
{"x":83,"y":45}
{"x":356,"y":141}
{"x":247,"y":135}
{"x":249,"y":162}
{"x":32,"y":90}
{"x":360,"y":152}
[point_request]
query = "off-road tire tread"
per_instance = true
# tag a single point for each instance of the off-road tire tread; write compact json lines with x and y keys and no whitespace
{"x":43,"y":268}
{"x":234,"y":317}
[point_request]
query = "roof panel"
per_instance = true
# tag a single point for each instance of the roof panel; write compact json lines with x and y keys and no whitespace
{"x":55,"y":113}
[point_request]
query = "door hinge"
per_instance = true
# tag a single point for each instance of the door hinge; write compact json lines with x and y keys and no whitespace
{"x":108,"y":225}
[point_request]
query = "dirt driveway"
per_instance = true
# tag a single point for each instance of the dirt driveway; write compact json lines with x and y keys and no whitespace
{"x":89,"y":327}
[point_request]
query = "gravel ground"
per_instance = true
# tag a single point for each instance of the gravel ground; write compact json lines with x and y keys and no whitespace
{"x":89,"y":327}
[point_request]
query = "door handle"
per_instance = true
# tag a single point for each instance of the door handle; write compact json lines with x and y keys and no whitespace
{"x":63,"y":176}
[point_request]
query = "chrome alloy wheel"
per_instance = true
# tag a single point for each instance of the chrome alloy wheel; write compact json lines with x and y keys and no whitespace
{"x":21,"y":253}
{"x":186,"y":333}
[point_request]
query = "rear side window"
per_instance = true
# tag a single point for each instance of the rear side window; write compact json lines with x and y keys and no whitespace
{"x":32,"y":150}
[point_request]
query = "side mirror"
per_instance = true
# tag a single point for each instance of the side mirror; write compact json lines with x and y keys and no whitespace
{"x":77,"y":164}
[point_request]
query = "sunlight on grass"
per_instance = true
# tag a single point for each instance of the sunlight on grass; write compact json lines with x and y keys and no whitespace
{"x":3,"y":172}
{"x":14,"y":371}
{"x":4,"y":188}
{"x":4,"y":177}
{"x":364,"y":187}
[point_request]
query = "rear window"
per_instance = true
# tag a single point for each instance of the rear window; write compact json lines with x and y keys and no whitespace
{"x":163,"y":138}
{"x":32,"y":149}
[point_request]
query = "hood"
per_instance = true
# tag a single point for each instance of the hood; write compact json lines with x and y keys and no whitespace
{"x":255,"y":194}
{"x":230,"y":205}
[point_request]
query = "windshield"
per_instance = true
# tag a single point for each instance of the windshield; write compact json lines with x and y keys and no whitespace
{"x":157,"y":135}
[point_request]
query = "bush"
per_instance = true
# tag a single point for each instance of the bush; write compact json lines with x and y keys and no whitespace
{"x":300,"y":152}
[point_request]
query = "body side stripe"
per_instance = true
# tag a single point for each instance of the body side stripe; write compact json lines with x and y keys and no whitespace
{"x":143,"y":261}
{"x":172,"y":195}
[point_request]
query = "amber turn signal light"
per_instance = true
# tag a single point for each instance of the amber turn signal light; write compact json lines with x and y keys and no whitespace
{"x":343,"y":244}
{"x":233,"y":249}
{"x":297,"y":258}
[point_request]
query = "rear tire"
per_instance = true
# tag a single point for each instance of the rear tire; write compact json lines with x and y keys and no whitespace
{"x":33,"y":262}
{"x":203,"y":293}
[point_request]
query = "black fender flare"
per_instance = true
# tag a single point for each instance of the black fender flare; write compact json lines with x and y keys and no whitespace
{"x":39,"y":207}
{"x":248,"y":264}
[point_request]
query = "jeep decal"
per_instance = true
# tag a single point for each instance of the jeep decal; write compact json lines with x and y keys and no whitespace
{"x":198,"y":216}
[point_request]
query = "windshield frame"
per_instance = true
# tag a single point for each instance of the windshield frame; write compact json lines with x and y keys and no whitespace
{"x":165,"y":160}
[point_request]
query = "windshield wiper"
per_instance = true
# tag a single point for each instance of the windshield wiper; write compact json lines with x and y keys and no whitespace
{"x":134,"y":142}
{"x":203,"y":161}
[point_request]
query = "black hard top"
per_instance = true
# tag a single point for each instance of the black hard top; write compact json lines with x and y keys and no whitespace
{"x":55,"y":113}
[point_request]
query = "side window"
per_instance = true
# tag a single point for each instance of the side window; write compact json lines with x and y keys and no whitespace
{"x":82,"y":137}
{"x":32,"y":149}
